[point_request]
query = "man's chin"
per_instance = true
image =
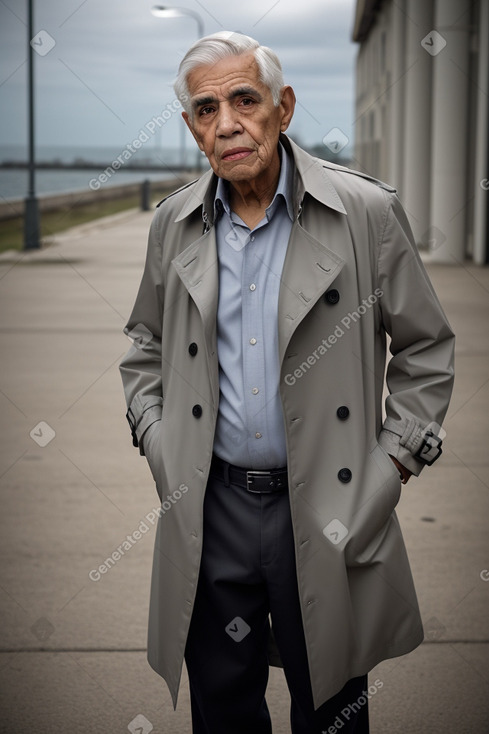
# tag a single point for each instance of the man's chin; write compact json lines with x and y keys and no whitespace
{"x":242,"y":170}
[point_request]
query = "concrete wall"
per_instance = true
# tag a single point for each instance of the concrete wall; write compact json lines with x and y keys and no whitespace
{"x":15,"y":208}
{"x":422,"y":116}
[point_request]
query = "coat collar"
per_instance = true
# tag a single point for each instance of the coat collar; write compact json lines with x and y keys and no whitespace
{"x":312,"y":178}
{"x":309,"y":177}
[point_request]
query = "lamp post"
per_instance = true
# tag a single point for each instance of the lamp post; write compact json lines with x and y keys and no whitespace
{"x":31,"y":209}
{"x":163,"y":11}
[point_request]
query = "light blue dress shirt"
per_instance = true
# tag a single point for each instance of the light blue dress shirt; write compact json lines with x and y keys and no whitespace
{"x":250,"y":426}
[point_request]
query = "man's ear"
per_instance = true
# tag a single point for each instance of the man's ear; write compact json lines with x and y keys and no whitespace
{"x":189,"y":125}
{"x":287,"y":105}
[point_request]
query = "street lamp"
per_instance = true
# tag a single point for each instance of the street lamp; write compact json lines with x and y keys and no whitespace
{"x":31,"y":209}
{"x":163,"y":11}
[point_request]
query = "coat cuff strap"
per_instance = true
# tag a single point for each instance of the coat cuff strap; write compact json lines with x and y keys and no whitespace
{"x":416,"y":446}
{"x":143,"y":411}
{"x":150,"y":416}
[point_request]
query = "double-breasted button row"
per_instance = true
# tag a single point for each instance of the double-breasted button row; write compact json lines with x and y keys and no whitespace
{"x":197,"y":409}
{"x":332,"y":297}
{"x":344,"y":475}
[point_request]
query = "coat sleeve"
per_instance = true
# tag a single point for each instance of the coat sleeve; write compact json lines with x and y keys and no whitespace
{"x":141,"y":367}
{"x":420,"y":372}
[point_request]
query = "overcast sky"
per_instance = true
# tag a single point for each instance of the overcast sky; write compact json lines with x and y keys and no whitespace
{"x":111,"y":67}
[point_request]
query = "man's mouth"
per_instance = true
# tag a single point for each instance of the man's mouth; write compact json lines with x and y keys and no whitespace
{"x":236,"y":154}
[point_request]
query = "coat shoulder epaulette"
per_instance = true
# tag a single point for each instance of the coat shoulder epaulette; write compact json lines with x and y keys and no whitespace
{"x":177,"y":191}
{"x":344,"y":169}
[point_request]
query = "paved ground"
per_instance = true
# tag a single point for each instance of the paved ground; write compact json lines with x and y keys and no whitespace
{"x":72,"y":488}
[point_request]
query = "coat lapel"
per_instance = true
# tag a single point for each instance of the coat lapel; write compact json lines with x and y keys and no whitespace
{"x":197,"y":267}
{"x":309,"y":269}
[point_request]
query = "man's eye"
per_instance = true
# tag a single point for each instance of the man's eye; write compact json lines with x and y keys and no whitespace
{"x":247,"y":101}
{"x":206,"y":110}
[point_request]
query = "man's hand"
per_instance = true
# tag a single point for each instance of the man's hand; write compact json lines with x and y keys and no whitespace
{"x":405,"y":473}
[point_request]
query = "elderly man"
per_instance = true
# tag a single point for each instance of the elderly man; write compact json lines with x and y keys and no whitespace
{"x":255,"y":391}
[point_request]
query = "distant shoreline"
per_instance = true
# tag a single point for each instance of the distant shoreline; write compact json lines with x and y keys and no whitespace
{"x":90,"y":166}
{"x":57,"y":181}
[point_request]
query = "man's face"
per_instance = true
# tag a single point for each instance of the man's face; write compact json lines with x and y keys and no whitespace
{"x":235,"y":122}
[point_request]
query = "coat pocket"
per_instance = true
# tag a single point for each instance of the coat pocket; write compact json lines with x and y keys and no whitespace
{"x":373,"y":520}
{"x":389,"y":471}
{"x":154,"y":454}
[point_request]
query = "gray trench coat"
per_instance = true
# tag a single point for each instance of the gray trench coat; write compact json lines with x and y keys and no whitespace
{"x":352,"y":274}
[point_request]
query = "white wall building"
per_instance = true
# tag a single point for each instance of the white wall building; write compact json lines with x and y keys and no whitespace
{"x":422,"y":101}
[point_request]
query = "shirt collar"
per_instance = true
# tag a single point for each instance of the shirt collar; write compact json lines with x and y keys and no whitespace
{"x":284,"y":189}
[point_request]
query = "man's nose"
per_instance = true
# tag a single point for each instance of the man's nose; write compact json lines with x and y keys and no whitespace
{"x":228,"y":121}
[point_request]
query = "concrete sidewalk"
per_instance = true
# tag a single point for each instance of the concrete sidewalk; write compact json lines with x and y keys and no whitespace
{"x":72,"y":489}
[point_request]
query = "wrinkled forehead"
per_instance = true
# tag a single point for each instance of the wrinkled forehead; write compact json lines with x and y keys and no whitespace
{"x":219,"y":79}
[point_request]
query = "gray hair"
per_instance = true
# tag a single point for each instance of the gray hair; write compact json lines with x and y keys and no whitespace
{"x":214,"y":48}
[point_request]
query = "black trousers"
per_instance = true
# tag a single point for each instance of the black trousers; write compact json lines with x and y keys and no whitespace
{"x":248,"y":573}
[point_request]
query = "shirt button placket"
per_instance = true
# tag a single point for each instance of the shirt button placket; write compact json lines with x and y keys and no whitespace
{"x":250,"y":317}
{"x":252,"y":321}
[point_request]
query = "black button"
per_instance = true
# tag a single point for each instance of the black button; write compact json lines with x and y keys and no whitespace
{"x":193,"y":349}
{"x":332,"y":297}
{"x":343,"y":412}
{"x":197,"y":411}
{"x":344,"y":475}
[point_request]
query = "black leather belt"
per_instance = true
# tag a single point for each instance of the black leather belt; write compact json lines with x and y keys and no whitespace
{"x":258,"y":482}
